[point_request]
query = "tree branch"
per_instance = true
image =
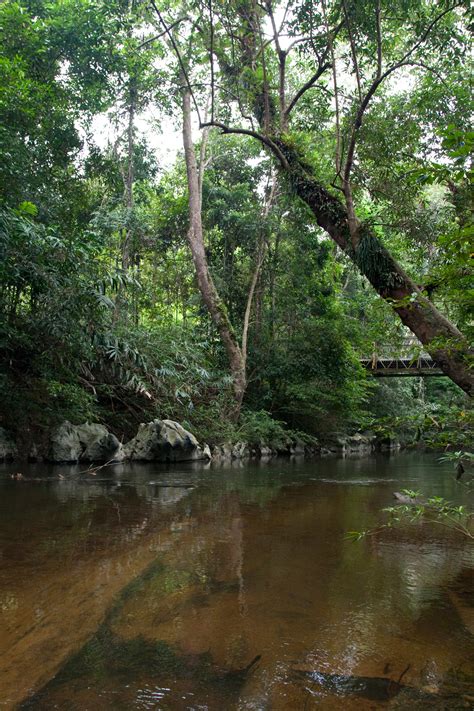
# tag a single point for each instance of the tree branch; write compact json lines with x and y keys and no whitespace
{"x":379,"y":40}
{"x":322,"y":67}
{"x":353,"y":49}
{"x":336,"y":94}
{"x":310,"y":83}
{"x":202,"y":153}
{"x":170,"y":27}
{"x":266,"y":96}
{"x":261,"y":250}
{"x":281,"y":66}
{"x":211,"y":57}
{"x":425,"y":34}
{"x":379,"y":79}
{"x":254,"y":134}
{"x":167,"y":31}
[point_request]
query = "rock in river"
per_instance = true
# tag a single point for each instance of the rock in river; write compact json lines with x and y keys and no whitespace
{"x":164,"y":441}
{"x":87,"y":442}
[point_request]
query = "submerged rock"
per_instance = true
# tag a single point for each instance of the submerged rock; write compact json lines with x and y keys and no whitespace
{"x":373,"y":688}
{"x":164,"y":441}
{"x":8,"y":448}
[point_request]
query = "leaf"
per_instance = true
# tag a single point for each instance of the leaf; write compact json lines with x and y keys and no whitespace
{"x":28,"y":209}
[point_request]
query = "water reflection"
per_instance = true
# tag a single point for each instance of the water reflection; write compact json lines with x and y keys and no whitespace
{"x":191,"y":588}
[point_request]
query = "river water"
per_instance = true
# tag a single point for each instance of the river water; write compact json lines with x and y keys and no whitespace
{"x":193,"y":587}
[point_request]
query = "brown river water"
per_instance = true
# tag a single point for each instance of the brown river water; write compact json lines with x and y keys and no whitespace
{"x":194,"y":587}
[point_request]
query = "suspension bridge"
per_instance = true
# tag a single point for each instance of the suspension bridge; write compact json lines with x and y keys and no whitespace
{"x":409,"y":361}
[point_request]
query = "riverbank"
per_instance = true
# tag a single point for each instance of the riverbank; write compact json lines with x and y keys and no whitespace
{"x":168,"y":441}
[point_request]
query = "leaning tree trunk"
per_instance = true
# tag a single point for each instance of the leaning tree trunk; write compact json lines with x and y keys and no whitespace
{"x":442,"y":339}
{"x":206,"y":285}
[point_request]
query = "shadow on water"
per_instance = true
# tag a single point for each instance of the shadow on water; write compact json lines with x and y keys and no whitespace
{"x":234,"y":588}
{"x":109,"y":660}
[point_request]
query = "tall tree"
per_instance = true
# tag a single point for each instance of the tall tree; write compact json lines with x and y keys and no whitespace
{"x":236,"y":352}
{"x":375,"y":41}
{"x":207,"y":288}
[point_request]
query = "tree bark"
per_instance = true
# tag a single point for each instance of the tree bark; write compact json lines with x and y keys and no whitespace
{"x":441,"y":338}
{"x":259,"y":259}
{"x":128,"y":176}
{"x":206,"y":285}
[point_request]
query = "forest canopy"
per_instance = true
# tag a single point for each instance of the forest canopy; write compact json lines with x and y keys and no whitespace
{"x":211,"y":211}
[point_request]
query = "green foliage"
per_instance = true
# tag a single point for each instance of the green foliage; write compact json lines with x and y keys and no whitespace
{"x":458,"y":457}
{"x":69,"y":401}
{"x":255,"y":427}
{"x":49,"y":308}
{"x":258,"y":426}
{"x":167,"y":372}
{"x":433,"y":413}
{"x":435,"y":510}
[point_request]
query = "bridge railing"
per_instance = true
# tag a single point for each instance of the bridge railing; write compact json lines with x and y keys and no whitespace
{"x":410,"y":359}
{"x":409,"y":348}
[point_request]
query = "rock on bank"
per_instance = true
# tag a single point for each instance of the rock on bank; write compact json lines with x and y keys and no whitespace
{"x":164,"y":441}
{"x":156,"y":441}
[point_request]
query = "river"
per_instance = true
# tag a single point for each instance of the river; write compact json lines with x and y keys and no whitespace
{"x":231,"y":587}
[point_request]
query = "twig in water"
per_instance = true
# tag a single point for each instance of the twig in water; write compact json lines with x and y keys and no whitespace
{"x":93,"y":470}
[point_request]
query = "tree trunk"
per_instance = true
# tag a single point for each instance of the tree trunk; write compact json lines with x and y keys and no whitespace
{"x":206,"y":285}
{"x":259,"y":259}
{"x":250,"y":297}
{"x":128,"y":175}
{"x":442,"y":339}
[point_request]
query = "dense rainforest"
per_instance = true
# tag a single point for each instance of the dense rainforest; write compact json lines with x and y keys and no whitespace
{"x":211,"y":211}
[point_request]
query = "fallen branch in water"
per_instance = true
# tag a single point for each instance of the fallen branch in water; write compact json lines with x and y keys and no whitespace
{"x":93,"y":470}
